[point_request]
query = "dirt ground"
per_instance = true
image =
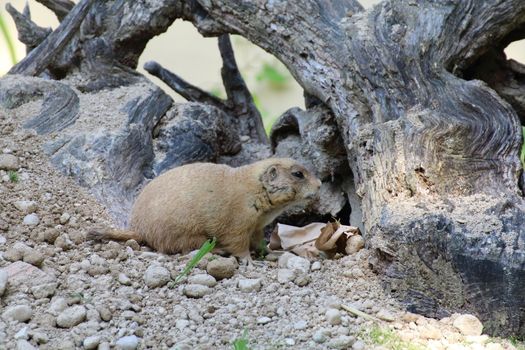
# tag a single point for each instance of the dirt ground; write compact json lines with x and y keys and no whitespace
{"x":65,"y":293}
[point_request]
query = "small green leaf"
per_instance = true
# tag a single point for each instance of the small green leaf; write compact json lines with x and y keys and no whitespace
{"x":242,"y":342}
{"x":13,"y":176}
{"x":8,"y":39}
{"x":271,"y":74}
{"x":204,"y":249}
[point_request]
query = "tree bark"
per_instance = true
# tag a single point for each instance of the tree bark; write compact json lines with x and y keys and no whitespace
{"x":402,"y":117}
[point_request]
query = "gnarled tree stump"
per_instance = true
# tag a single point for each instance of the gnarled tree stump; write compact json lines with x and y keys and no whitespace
{"x":413,"y":117}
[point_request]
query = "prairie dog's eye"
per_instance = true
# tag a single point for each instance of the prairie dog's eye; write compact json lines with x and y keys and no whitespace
{"x":298,"y":174}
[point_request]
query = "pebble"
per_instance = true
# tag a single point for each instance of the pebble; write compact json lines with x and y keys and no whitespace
{"x":319,"y":337}
{"x":341,"y":342}
{"x":44,"y":290}
{"x":285,"y":275}
{"x":333,"y":316}
{"x":302,"y":279}
{"x":359,"y":345}
{"x":354,"y":244}
{"x":9,"y":162}
{"x":71,"y":316}
{"x":249,"y":285}
{"x":129,"y":342}
{"x":263,"y":320}
{"x":31,"y":220}
{"x":196,"y":290}
{"x":222,"y":268}
{"x":203,"y":279}
{"x":64,"y":218}
{"x":468,"y":325}
{"x":20,"y":313}
{"x":298,"y":263}
{"x":57,"y":305}
{"x":300,"y":325}
{"x":124,"y":279}
{"x":289,"y":341}
{"x":181,"y":324}
{"x":429,"y":332}
{"x":23,"y":344}
{"x":91,"y":342}
{"x":385,"y":315}
{"x":316,"y":266}
{"x":33,"y":257}
{"x":25,"y":206}
{"x":3,"y":282}
{"x":22,"y":333}
{"x":156,"y":276}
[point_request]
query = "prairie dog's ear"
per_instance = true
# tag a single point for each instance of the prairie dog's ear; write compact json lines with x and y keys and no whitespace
{"x":269,"y":175}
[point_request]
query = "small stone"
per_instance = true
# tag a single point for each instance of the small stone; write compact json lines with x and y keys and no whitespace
{"x":58,"y":304}
{"x":289,"y":341}
{"x":300,"y":325}
{"x":71,"y":316}
{"x":8,"y":162}
{"x":91,"y":342}
{"x":301,"y":279}
{"x":44,"y":290}
{"x":341,"y":342}
{"x":34,"y":257}
{"x":221,"y":267}
{"x":20,"y":313}
{"x":22,"y":333}
{"x":468,"y":325}
{"x":127,"y":343}
{"x":104,"y":346}
{"x":31,"y":220}
{"x":63,"y":242}
{"x":316,"y":266}
{"x":263,"y":320}
{"x":298,"y":263}
{"x":333,"y":316}
{"x":124,"y":279}
{"x":26,"y":207}
{"x":156,"y":276}
{"x":385,"y":315}
{"x":181,"y":324}
{"x":244,"y":138}
{"x":285,"y":275}
{"x":319,"y":337}
{"x":105,"y":314}
{"x":203,"y":279}
{"x":359,"y":345}
{"x":13,"y":255}
{"x":64,"y":218}
{"x":3,"y":282}
{"x":23,"y":344}
{"x":196,"y":290}
{"x":430,"y":332}
{"x":133,"y":244}
{"x":39,"y":337}
{"x":354,"y":244}
{"x":249,"y":285}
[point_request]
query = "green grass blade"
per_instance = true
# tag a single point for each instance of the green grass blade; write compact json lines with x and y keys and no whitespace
{"x":8,"y":40}
{"x":205,"y":249}
{"x":242,"y":342}
{"x":522,"y":155}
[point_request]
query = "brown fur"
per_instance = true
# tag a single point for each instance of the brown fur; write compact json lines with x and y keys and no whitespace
{"x":179,"y":210}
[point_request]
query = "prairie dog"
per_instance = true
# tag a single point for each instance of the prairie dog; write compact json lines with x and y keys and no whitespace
{"x":182,"y":208}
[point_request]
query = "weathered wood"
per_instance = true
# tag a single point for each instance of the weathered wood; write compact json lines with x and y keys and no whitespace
{"x":433,"y":156}
{"x":239,"y":102}
{"x":29,"y":32}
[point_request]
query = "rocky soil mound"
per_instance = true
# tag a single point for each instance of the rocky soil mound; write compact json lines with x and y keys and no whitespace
{"x":58,"y":291}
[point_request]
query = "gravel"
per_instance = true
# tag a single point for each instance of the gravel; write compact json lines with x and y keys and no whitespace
{"x":58,"y":291}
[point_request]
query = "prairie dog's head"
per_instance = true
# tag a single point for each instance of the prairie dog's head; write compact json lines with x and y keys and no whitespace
{"x":287,"y":182}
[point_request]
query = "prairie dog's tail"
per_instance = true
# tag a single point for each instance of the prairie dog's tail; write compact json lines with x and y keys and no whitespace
{"x":113,"y":234}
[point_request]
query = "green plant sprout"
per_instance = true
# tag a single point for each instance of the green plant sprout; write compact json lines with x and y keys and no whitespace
{"x":203,"y":250}
{"x":242,"y":342}
{"x":9,"y":41}
{"x":13,"y":176}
